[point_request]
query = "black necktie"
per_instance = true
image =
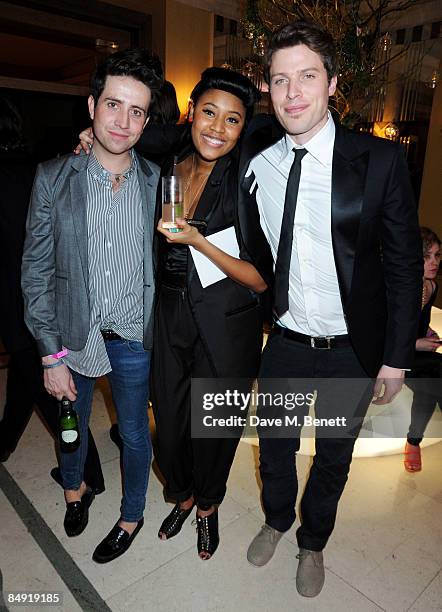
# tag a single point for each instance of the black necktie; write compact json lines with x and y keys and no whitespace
{"x":286,"y":236}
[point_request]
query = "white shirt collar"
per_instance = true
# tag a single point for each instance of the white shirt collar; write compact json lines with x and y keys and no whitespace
{"x":320,"y":146}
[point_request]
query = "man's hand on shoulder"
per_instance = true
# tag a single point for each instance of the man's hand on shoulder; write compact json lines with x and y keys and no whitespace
{"x":58,"y":380}
{"x":392,"y":379}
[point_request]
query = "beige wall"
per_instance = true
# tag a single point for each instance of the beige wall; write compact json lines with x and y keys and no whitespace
{"x":189,"y":47}
{"x":182,"y":36}
{"x":430,"y":205}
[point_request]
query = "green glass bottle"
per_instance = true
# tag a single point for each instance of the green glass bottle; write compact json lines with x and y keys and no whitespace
{"x":68,"y":427}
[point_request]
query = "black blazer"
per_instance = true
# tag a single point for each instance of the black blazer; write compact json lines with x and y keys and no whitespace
{"x":375,"y":235}
{"x":16,"y":178}
{"x":227,"y":314}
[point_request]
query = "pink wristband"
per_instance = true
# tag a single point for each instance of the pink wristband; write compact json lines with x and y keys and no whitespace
{"x":59,"y":355}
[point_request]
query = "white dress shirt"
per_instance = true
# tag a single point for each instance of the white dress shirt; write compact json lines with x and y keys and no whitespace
{"x":315,"y":306}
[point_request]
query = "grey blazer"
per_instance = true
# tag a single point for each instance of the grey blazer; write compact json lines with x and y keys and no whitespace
{"x":55,"y":274}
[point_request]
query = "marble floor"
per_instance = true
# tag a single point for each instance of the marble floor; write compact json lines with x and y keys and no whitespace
{"x":385,"y":552}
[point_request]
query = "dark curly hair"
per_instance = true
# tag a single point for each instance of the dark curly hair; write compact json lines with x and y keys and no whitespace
{"x":136,"y":63}
{"x":428,"y":239}
{"x":303,"y":33}
{"x":228,"y":80}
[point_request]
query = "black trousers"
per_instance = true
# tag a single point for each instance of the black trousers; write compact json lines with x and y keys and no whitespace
{"x":191,"y":466}
{"x":24,"y":390}
{"x":425,"y":381}
{"x":284,"y":358}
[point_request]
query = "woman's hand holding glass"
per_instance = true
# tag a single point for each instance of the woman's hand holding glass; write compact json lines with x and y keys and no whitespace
{"x":189,"y":235}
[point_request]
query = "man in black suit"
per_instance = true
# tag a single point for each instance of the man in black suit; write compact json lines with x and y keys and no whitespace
{"x":332,"y":213}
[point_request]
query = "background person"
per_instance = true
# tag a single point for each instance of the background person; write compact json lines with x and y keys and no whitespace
{"x":165,"y":109}
{"x":165,"y":113}
{"x":427,"y":363}
{"x":24,"y":387}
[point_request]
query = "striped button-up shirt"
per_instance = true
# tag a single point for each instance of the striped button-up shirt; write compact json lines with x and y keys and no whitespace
{"x":115,"y":258}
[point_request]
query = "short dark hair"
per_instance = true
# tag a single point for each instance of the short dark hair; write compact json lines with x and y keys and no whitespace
{"x":136,"y":63}
{"x":428,"y":239}
{"x":165,"y":109}
{"x":231,"y":81}
{"x":303,"y":33}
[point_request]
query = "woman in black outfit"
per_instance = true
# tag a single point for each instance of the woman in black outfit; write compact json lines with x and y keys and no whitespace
{"x":212,"y":332}
{"x":427,"y":363}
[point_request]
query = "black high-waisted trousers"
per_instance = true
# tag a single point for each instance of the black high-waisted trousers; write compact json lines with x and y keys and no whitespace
{"x":191,"y":466}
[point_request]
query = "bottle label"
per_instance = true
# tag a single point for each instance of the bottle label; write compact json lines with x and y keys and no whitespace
{"x":69,"y":435}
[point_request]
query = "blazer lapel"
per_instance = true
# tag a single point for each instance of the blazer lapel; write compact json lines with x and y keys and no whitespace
{"x":78,"y":193}
{"x":258,"y":140}
{"x":349,"y":172}
{"x":148,"y":194}
{"x":209,"y":197}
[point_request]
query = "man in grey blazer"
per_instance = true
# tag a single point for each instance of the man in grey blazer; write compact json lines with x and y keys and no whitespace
{"x":87,"y":279}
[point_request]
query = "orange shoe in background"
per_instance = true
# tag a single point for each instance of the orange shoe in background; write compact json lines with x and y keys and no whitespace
{"x":412,"y":459}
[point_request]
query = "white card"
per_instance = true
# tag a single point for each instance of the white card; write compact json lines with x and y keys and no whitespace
{"x":207,"y":271}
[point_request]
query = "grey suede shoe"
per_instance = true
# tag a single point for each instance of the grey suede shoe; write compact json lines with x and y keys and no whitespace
{"x":263,"y":546}
{"x":310,"y":576}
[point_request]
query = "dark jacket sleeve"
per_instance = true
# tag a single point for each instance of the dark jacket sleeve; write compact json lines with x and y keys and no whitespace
{"x":16,"y":178}
{"x":160,"y":140}
{"x":403,"y":266}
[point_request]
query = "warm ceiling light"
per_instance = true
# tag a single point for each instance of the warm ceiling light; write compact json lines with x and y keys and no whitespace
{"x":100,"y":43}
{"x":434,"y":80}
{"x":391,"y":131}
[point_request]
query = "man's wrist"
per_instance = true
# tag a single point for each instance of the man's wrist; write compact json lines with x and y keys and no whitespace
{"x":384,"y":365}
{"x":55,"y":364}
{"x":48,"y":359}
